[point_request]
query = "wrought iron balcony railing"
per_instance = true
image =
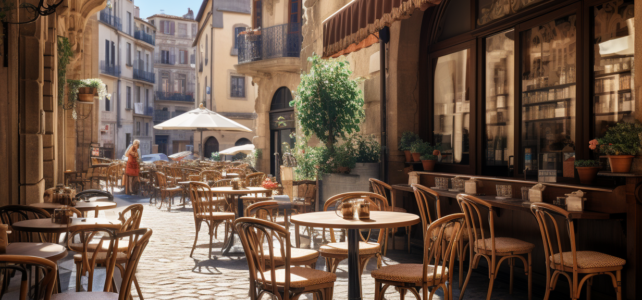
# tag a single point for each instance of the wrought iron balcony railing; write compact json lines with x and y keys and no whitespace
{"x":172,"y":96}
{"x":161,"y":115}
{"x":109,"y":69}
{"x":141,"y":74}
{"x":145,"y":37}
{"x":276,"y":41}
{"x":111,"y":20}
{"x":166,"y":60}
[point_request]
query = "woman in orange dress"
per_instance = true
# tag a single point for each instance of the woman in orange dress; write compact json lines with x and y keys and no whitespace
{"x":132,"y":169}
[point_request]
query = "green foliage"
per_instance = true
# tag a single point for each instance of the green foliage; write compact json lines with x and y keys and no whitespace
{"x":311,"y":161}
{"x":74,"y":85}
{"x":587,"y":163}
{"x":329,"y":103}
{"x":343,"y":156}
{"x":365,"y":149}
{"x":428,"y":157}
{"x":65,"y":53}
{"x":258,"y":153}
{"x":622,"y":139}
{"x":420,"y":147}
{"x":216,"y":156}
{"x":239,"y":156}
{"x":407,"y":138}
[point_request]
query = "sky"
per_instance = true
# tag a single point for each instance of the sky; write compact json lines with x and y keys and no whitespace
{"x":170,"y":7}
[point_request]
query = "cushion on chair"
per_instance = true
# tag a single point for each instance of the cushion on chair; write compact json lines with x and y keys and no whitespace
{"x":217,"y":216}
{"x":301,"y":277}
{"x":589,"y":260}
{"x":297,"y":255}
{"x":505,"y":245}
{"x":406,"y":273}
{"x":342,"y":248}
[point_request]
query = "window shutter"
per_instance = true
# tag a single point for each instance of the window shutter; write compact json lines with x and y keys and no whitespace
{"x":185,"y":56}
{"x":162,"y":26}
{"x":113,"y":54}
{"x":106,"y":52}
{"x":171,"y":28}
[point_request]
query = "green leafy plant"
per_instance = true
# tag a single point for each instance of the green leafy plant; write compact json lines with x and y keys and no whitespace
{"x":365,"y":149}
{"x":420,"y":147}
{"x":587,"y":163}
{"x":65,"y":54}
{"x":621,"y":139}
{"x":312,"y":161}
{"x":329,"y":103}
{"x":216,"y":156}
{"x":74,"y":85}
{"x":407,"y":138}
{"x":343,"y":156}
{"x":428,"y":157}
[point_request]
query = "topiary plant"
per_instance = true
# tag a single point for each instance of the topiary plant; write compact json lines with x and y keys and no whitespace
{"x":329,"y":104}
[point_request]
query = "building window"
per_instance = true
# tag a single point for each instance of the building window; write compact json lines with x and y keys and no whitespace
{"x":182,"y":57}
{"x":194,"y":30}
{"x":238,"y":86}
{"x":129,"y":23}
{"x":206,"y":48}
{"x":258,"y":13}
{"x":128,"y":139}
{"x":129,"y":54}
{"x":167,"y":27}
{"x":146,"y":129}
{"x":182,"y":30}
{"x":146,"y":98}
{"x":149,"y":67}
{"x":179,"y":84}
{"x":137,"y":128}
{"x":237,"y":33}
{"x":137,"y":96}
{"x":107,"y":101}
{"x":129,"y":98}
{"x":166,"y":58}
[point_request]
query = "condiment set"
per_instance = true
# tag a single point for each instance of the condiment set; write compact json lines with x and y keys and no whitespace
{"x":347,"y":209}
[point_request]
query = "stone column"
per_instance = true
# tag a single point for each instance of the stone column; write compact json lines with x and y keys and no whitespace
{"x":50,"y":90}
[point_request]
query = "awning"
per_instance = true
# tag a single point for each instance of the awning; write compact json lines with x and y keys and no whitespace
{"x":354,"y":24}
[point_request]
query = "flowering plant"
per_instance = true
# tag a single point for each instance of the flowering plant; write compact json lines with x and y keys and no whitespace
{"x":621,"y":139}
{"x":268,"y":184}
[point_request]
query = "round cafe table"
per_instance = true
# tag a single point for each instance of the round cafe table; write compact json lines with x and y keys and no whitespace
{"x":50,"y":251}
{"x":46,"y":226}
{"x":231,"y":193}
{"x":378,"y":220}
{"x":82,"y":206}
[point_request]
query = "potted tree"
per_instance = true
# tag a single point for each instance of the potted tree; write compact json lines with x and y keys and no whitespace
{"x":418,"y":148}
{"x":344,"y":159}
{"x":620,"y":144}
{"x":587,"y":170}
{"x":407,"y":138}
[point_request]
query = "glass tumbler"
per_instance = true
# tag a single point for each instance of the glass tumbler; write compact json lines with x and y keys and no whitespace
{"x":525,"y":193}
{"x":504,"y":191}
{"x":441,"y":183}
{"x":458,"y":184}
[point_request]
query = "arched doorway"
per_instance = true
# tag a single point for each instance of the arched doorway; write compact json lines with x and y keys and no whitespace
{"x":281,"y":127}
{"x":242,"y":141}
{"x":211,"y":146}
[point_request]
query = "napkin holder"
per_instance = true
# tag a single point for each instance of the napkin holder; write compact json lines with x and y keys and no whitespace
{"x":535,"y":194}
{"x":413,"y":178}
{"x":473,"y":186}
{"x":575,"y":201}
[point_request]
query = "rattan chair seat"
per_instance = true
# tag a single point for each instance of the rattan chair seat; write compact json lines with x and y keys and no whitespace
{"x":589,"y":260}
{"x":301,"y":277}
{"x":342,"y":248}
{"x":216,"y":215}
{"x":410,"y":273}
{"x":505,"y":245}
{"x":297,"y":256}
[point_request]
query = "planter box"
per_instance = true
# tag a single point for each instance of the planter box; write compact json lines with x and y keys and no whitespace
{"x":287,"y":175}
{"x":357,"y":181}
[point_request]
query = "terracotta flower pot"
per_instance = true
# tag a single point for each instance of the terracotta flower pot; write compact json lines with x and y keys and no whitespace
{"x":620,"y":163}
{"x":344,"y":170}
{"x":429,"y":165}
{"x":86,"y":94}
{"x":587,"y":174}
{"x":416,"y":156}
{"x":408,"y":156}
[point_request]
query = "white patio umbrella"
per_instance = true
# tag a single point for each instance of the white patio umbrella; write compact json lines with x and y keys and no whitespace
{"x":180,"y":155}
{"x":247,"y":149}
{"x":201,"y":119}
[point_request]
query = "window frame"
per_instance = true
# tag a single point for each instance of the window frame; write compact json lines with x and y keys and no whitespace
{"x":237,"y":79}
{"x":128,"y":102}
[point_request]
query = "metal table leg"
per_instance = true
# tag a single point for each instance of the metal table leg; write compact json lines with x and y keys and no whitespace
{"x":354,"y":280}
{"x":228,"y":247}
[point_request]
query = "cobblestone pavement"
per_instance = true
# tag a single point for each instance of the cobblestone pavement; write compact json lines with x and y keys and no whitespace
{"x":167,"y":272}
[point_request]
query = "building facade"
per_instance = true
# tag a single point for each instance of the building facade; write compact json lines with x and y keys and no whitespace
{"x":272,"y":59}
{"x":220,"y":87}
{"x":126,"y":67}
{"x":175,"y":68}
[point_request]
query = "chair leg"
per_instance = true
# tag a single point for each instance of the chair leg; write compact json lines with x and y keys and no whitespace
{"x":490,"y":287}
{"x":589,"y":284}
{"x":78,"y":277}
{"x":470,"y":271}
{"x":198,"y":228}
{"x":511,"y":264}
{"x":618,"y":275}
{"x":211,"y":230}
{"x":408,"y":233}
{"x":460,"y":256}
{"x":140,"y":293}
{"x":530,"y":276}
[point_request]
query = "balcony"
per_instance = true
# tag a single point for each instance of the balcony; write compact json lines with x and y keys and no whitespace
{"x":274,"y":49}
{"x":166,"y":60}
{"x":172,"y":96}
{"x":113,"y":21}
{"x":108,"y":69}
{"x":141,"y":35}
{"x":140,"y":109}
{"x":141,"y":74}
{"x":161,"y":116}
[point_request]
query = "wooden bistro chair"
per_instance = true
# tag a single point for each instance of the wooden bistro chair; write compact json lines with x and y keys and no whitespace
{"x":334,"y":252}
{"x":47,"y":270}
{"x":255,"y":179}
{"x":285,"y":282}
{"x":588,"y":263}
{"x":210,"y":175}
{"x":491,"y":248}
{"x":211,"y":210}
{"x":108,"y":254}
{"x":10,"y":214}
{"x":268,"y":210}
{"x":384,"y":189}
{"x":438,"y":261}
{"x":165,"y":191}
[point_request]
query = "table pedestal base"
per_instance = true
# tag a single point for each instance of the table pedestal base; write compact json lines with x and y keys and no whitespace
{"x":354,"y":280}
{"x":230,"y":248}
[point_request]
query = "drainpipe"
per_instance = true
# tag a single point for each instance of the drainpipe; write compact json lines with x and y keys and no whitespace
{"x":212,"y":60}
{"x":384,"y":37}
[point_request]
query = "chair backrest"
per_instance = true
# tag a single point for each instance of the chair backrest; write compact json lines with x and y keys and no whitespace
{"x":255,"y":179}
{"x":130,"y":217}
{"x":261,"y":257}
{"x":265,"y":210}
{"x":545,"y":215}
{"x":383,"y":189}
{"x":440,"y":251}
{"x":161,"y":180}
{"x":472,"y":208}
{"x":10,"y":214}
{"x":423,"y":195}
{"x":222,"y":182}
{"x":211,"y":175}
{"x":376,"y":201}
{"x":109,"y":238}
{"x":201,"y":197}
{"x":187,"y":172}
{"x":23,"y":264}
{"x":239,"y":171}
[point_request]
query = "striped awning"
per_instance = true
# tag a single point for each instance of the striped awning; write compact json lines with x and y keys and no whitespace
{"x":358,"y":20}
